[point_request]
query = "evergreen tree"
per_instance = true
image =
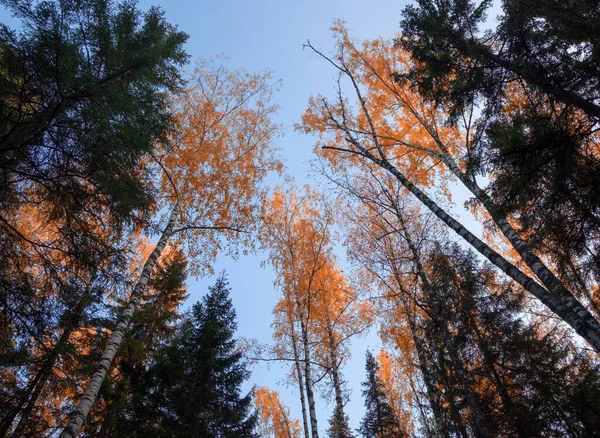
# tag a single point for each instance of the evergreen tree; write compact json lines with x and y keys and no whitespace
{"x":194,"y":385}
{"x":338,"y":425}
{"x":83,"y":102}
{"x":536,"y":76}
{"x":528,"y":376}
{"x":379,"y":420}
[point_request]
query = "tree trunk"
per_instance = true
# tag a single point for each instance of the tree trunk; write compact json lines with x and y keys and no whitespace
{"x":335,"y":375}
{"x":80,"y":413}
{"x":14,"y":412}
{"x":480,"y":429}
{"x":36,"y":386}
{"x":428,"y":379}
{"x":44,"y":375}
{"x":546,"y":276}
{"x":307,"y":376}
{"x":567,"y":308}
{"x":300,"y":383}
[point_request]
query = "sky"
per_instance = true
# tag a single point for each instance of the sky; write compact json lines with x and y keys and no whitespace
{"x":269,"y":34}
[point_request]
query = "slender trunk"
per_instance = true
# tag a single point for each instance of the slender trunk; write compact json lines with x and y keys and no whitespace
{"x":36,"y":386}
{"x":300,"y":383}
{"x":567,"y":308}
{"x":307,"y":376}
{"x":288,"y":426}
{"x":80,"y":413}
{"x":14,"y":412}
{"x":480,"y":428}
{"x":428,"y":378}
{"x":430,"y":431}
{"x":46,"y":372}
{"x":546,"y":276}
{"x":472,"y":398}
{"x":335,"y":376}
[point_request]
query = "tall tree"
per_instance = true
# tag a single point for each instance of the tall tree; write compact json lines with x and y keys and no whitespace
{"x":218,"y":153}
{"x":379,"y":420}
{"x":83,"y":100}
{"x":194,"y":384}
{"x":485,"y":333}
{"x":297,"y":236}
{"x":552,"y":45}
{"x":120,"y":410}
{"x":536,"y":80}
{"x":402,"y":151}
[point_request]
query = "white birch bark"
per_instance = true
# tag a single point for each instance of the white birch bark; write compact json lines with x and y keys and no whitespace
{"x":81,"y":411}
{"x":307,"y":375}
{"x":300,"y":382}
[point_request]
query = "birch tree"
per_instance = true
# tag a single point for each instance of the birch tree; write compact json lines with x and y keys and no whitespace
{"x":360,"y":135}
{"x":217,"y":155}
{"x":297,"y":236}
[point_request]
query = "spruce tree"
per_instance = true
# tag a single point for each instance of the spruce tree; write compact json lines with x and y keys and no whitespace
{"x":379,"y":420}
{"x":527,"y":375}
{"x":194,"y":384}
{"x":338,"y":425}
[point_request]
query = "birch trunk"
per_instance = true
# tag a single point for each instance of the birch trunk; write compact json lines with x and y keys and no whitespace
{"x":569,"y":309}
{"x":335,"y":375}
{"x":300,"y":383}
{"x":473,"y":401}
{"x":80,"y":413}
{"x":545,"y":275}
{"x":307,"y":376}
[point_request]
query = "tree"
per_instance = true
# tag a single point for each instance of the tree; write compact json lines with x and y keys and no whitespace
{"x":83,"y":101}
{"x":337,"y":316}
{"x":121,"y":411}
{"x":195,"y":378}
{"x":371,"y":143}
{"x":536,"y":79}
{"x":397,"y":391}
{"x":535,"y":41}
{"x":218,"y":153}
{"x":297,"y":235}
{"x":274,"y":417}
{"x":504,"y":355}
{"x":379,"y":420}
{"x":479,"y":328}
{"x":84,"y":98}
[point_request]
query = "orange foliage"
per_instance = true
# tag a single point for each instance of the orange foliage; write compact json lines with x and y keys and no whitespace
{"x":397,"y":391}
{"x":411,"y":133}
{"x":274,"y":417}
{"x":218,"y":152}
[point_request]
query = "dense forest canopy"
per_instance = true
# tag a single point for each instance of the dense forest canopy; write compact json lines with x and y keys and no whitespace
{"x":128,"y":168}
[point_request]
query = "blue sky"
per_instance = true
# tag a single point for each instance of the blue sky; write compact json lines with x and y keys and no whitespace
{"x":268,"y":34}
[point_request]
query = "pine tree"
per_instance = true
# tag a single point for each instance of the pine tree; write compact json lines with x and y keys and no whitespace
{"x":379,"y":420}
{"x":194,"y":387}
